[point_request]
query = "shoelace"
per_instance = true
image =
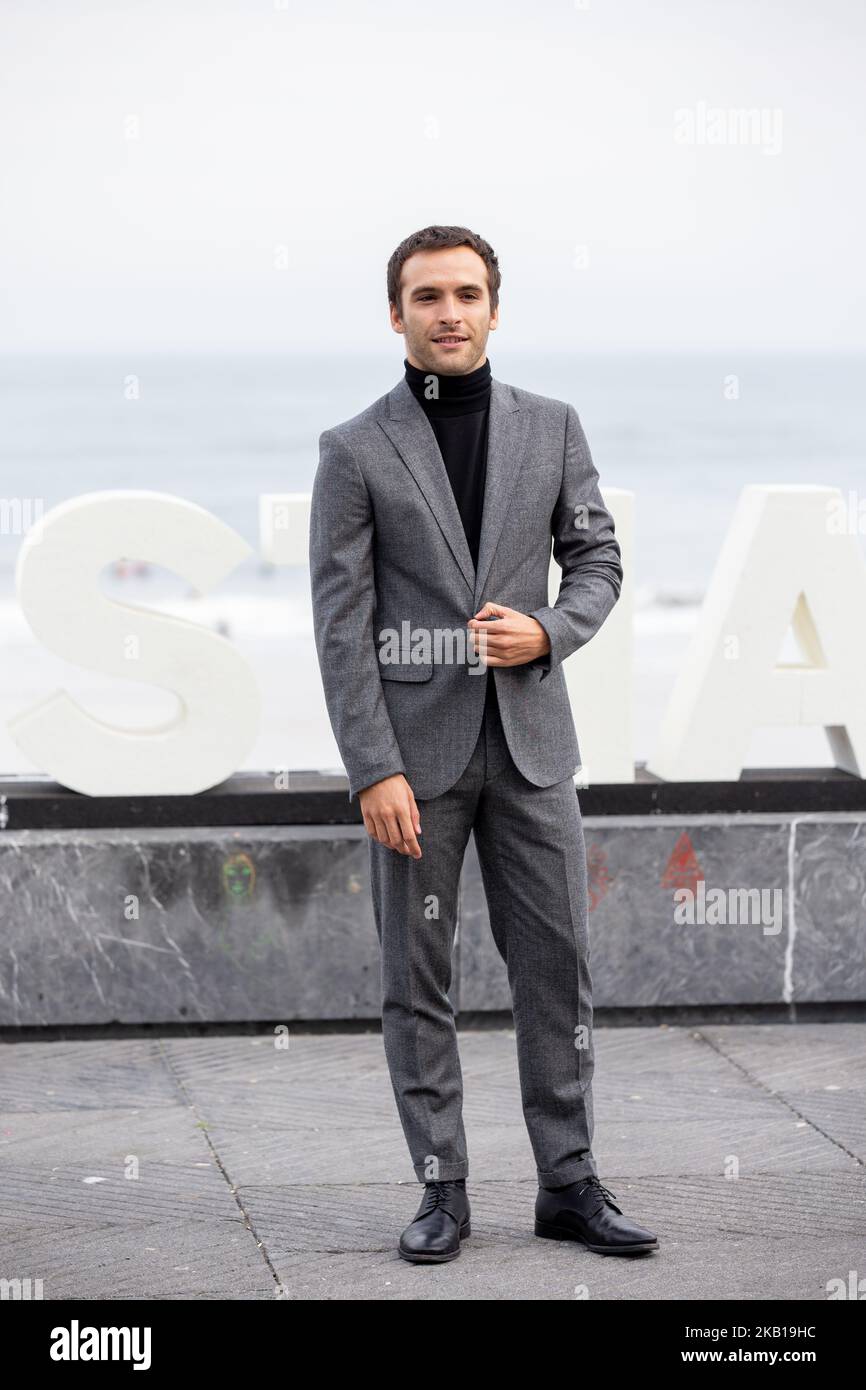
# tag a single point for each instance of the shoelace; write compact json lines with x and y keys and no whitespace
{"x":599,"y":1187}
{"x":437,"y":1194}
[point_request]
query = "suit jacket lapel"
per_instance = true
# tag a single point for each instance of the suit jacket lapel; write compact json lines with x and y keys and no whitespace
{"x":507,"y":429}
{"x":412,"y":434}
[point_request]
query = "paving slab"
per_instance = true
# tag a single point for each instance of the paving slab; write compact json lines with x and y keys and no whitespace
{"x":235,"y":1167}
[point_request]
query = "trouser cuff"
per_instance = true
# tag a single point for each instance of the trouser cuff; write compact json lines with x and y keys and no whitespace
{"x":573,"y":1172}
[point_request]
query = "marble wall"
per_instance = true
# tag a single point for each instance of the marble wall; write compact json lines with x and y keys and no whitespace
{"x":275,"y":922}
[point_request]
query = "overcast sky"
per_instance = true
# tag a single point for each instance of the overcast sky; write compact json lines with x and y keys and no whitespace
{"x":182,"y":174}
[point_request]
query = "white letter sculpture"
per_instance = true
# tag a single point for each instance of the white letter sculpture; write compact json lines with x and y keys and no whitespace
{"x":599,"y":676}
{"x":57,"y":577}
{"x":786,"y":561}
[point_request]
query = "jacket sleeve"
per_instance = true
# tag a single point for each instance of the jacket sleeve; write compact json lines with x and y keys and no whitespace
{"x":342,"y":585}
{"x":585,"y":545}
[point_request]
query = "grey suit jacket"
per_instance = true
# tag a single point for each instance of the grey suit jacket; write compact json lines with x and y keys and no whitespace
{"x":392,"y":576}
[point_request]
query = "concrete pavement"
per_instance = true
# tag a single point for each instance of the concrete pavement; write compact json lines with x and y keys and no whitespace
{"x":217,"y":1167}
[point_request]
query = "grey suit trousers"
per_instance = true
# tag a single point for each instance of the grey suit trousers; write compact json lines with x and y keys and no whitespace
{"x":533,"y":864}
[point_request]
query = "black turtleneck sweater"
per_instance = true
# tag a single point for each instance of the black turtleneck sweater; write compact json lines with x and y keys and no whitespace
{"x":458,"y":408}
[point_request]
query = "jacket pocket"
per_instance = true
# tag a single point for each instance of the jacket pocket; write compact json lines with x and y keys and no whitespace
{"x":408,"y":671}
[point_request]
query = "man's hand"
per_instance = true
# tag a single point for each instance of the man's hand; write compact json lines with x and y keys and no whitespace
{"x":513,"y":639}
{"x":391,"y":815}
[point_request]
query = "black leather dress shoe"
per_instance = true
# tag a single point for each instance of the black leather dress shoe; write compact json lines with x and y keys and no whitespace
{"x":584,"y":1211}
{"x":442,"y":1221}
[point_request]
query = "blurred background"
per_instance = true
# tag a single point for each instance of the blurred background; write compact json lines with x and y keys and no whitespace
{"x":199,"y":202}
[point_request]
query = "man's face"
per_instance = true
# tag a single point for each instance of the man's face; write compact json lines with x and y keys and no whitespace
{"x":444,"y":295}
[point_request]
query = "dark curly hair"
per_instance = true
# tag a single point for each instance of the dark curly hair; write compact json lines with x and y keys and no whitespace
{"x":435,"y":239}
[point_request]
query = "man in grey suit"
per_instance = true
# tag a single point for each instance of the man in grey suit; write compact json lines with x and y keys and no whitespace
{"x":431,"y":524}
